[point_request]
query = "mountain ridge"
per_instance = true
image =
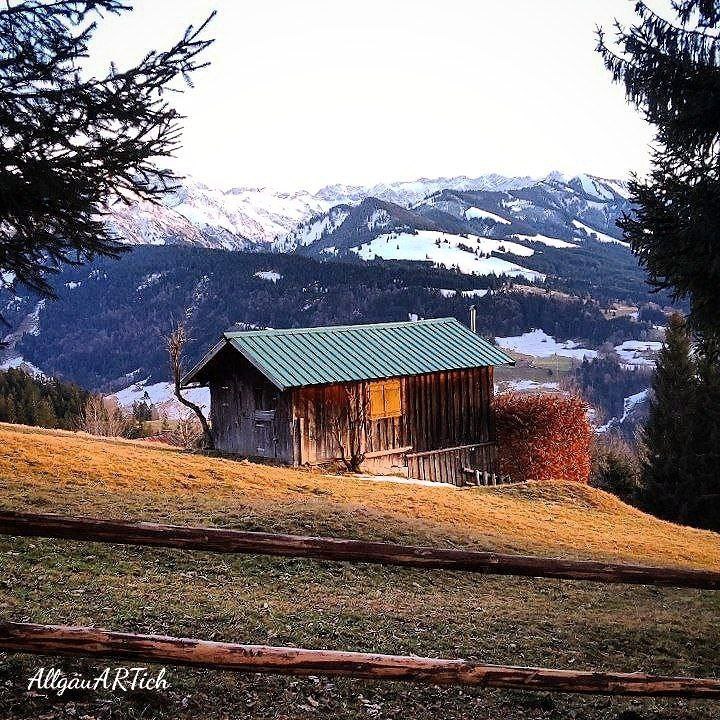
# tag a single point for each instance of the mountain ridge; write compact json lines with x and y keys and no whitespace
{"x":262,"y":218}
{"x":473,"y":231}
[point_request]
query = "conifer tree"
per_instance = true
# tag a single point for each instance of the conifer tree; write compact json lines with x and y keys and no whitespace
{"x":38,"y":401}
{"x":11,"y":413}
{"x":671,"y":71}
{"x":45,"y":415}
{"x":668,"y":465}
{"x":72,"y":142}
{"x":702,"y":504}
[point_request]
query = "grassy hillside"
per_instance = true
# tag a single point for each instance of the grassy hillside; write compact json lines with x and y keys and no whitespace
{"x":315,"y":604}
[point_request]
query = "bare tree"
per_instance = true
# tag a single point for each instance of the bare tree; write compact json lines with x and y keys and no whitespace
{"x":73,"y":141}
{"x":175,"y":344}
{"x":349,"y":414}
{"x":100,"y":417}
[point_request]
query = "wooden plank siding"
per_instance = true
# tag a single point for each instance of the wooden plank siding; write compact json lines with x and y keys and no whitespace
{"x":248,"y":414}
{"x":448,"y":409}
{"x":315,"y":406}
{"x":444,"y":409}
{"x":251,"y":417}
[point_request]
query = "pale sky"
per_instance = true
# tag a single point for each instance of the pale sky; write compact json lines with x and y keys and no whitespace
{"x":303,"y":93}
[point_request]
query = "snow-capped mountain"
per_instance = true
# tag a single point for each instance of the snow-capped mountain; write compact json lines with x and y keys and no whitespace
{"x":344,"y":217}
{"x":474,"y":231}
{"x":409,"y":192}
{"x":194,"y":214}
{"x":568,"y":211}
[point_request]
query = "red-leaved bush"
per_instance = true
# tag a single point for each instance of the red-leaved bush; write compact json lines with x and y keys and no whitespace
{"x":543,"y":436}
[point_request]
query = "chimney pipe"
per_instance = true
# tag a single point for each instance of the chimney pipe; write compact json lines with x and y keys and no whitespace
{"x":473,"y":319}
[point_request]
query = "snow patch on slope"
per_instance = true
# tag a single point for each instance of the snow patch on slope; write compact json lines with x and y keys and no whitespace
{"x":448,"y":250}
{"x":476,"y":212}
{"x":545,"y":240}
{"x":29,"y":325}
{"x":149,"y":281}
{"x":19,"y":363}
{"x":630,"y":405}
{"x":539,"y":344}
{"x":269,"y":275}
{"x":593,"y":188}
{"x":602,"y":237}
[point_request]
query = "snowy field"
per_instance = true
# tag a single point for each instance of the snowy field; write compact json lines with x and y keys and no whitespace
{"x":525,"y":385}
{"x":163,"y":397}
{"x":602,"y":237}
{"x":631,"y":353}
{"x":638,"y":352}
{"x":539,"y":344}
{"x":444,"y":249}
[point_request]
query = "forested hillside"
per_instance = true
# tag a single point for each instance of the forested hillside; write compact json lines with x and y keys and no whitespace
{"x":46,"y":402}
{"x":105,"y":329}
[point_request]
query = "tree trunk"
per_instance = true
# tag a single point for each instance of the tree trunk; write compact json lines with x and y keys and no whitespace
{"x":208,"y":441}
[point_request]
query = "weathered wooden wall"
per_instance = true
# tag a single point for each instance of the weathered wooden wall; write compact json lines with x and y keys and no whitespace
{"x":439,"y":410}
{"x":316,"y":406}
{"x":249,"y":415}
{"x":448,"y":409}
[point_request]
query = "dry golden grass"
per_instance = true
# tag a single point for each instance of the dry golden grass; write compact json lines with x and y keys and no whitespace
{"x":76,"y":474}
{"x":281,"y":601}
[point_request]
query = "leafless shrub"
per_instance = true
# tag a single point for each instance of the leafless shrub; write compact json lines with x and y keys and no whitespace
{"x":348,"y":413}
{"x":187,"y":433}
{"x":175,"y":345}
{"x":103,"y":417}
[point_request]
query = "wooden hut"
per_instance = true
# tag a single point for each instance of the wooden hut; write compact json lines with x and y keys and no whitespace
{"x":407,"y":394}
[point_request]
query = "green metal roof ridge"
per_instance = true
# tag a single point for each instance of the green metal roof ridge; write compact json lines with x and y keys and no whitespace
{"x":337,"y":328}
{"x":297,"y":357}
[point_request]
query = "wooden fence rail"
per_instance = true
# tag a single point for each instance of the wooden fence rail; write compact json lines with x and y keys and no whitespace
{"x":91,"y":642}
{"x":338,"y":549}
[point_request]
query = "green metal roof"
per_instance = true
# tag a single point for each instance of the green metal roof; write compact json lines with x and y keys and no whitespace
{"x":317,"y":356}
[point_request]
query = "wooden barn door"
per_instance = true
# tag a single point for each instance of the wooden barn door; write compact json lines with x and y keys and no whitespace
{"x":264,"y":430}
{"x":265,"y":440}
